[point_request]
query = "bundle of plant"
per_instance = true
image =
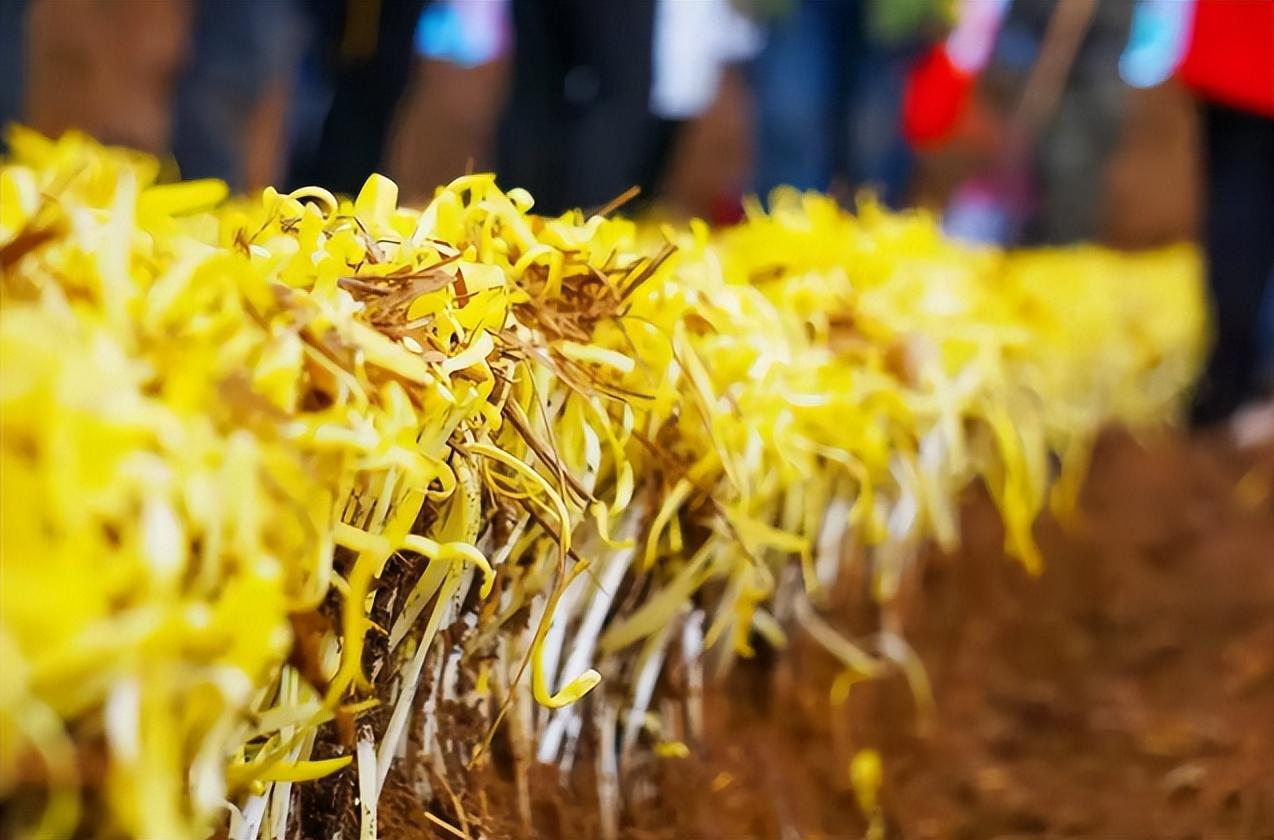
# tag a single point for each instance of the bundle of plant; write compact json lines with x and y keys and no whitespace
{"x":299,"y":488}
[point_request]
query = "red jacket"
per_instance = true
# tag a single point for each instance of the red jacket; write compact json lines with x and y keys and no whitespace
{"x":1230,"y":59}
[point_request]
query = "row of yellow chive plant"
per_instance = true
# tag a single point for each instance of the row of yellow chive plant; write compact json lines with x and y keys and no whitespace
{"x":235,"y":431}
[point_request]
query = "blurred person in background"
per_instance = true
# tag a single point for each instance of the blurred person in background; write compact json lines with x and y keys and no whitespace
{"x":448,"y":117}
{"x":211,"y":81}
{"x":308,"y":91}
{"x":829,"y":87}
{"x":1080,"y":127}
{"x":232,"y":97}
{"x":682,"y":150}
{"x":1224,"y":52}
{"x":577,"y":128}
{"x":701,"y":53}
{"x":109,"y":69}
{"x":353,"y":80}
{"x":203,"y":80}
{"x":599,"y":93}
{"x":1230,"y":65}
{"x":1049,"y":73}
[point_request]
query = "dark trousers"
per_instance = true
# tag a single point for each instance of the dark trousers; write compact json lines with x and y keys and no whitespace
{"x":577,"y":129}
{"x":368,"y":51}
{"x":1239,"y":240}
{"x":13,"y":54}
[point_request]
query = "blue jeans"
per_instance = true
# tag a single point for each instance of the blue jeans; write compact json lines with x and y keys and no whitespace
{"x":828,"y":103}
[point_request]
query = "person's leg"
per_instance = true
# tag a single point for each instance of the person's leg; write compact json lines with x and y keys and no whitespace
{"x":796,"y":85}
{"x":577,"y":129}
{"x":240,"y":50}
{"x":1239,"y":240}
{"x":1072,"y":160}
{"x":533,"y":131}
{"x":366,"y":93}
{"x":879,"y":157}
{"x":1265,"y":377}
{"x":616,"y":142}
{"x":108,"y":69}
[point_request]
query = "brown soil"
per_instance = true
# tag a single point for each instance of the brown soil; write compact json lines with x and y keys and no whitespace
{"x":1128,"y":692}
